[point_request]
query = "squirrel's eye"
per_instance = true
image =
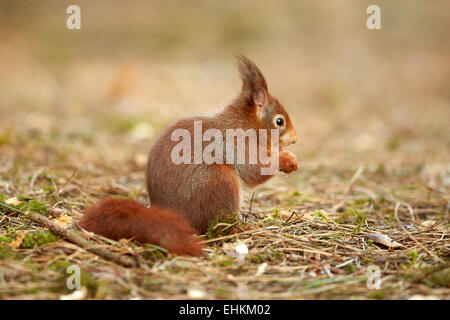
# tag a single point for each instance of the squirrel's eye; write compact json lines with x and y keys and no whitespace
{"x":279,"y":121}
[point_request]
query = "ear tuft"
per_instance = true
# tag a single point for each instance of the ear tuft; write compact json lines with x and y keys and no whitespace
{"x":252,"y":77}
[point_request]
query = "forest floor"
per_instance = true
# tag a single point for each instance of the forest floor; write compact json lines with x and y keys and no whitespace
{"x":320,"y":233}
{"x":365,"y":217}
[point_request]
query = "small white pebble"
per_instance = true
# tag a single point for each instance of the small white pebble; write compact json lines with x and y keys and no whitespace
{"x":421,"y":297}
{"x":241,"y":250}
{"x":76,"y":295}
{"x":261,"y":269}
{"x":196,"y":293}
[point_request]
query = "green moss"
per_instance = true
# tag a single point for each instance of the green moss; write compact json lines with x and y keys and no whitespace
{"x":154,"y":253}
{"x":38,"y":238}
{"x":257,"y":259}
{"x":215,"y":231}
{"x":60,"y":265}
{"x":362,"y":201}
{"x":175,"y":270}
{"x":413,"y":254}
{"x":352,"y":216}
{"x":226,"y":262}
{"x":94,"y":286}
{"x":294,"y":198}
{"x":10,"y":231}
{"x":441,"y":278}
{"x":436,"y":276}
{"x":277,"y":255}
{"x":6,"y":252}
{"x":48,"y":189}
{"x":5,"y":137}
{"x":271,"y":256}
{"x":349,"y":268}
{"x":6,"y":239}
{"x":367,"y":260}
{"x":117,"y":123}
{"x":377,"y":294}
{"x":152,"y":284}
{"x":26,"y":204}
{"x":320,"y":214}
{"x":33,"y":205}
{"x":275,"y":213}
{"x":432,"y":276}
{"x":221,"y":292}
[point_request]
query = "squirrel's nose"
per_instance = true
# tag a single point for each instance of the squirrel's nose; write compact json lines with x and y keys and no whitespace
{"x":294,"y":138}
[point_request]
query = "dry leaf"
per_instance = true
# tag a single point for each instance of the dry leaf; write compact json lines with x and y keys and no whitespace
{"x":17,"y":243}
{"x":63,"y":220}
{"x":13,"y":201}
{"x":384,"y":240}
{"x":428,"y":223}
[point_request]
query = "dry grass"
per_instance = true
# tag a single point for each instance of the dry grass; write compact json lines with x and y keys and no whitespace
{"x":313,"y":253}
{"x":76,"y":124}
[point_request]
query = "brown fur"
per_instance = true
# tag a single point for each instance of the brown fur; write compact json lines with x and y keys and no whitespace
{"x":198,"y":193}
{"x":122,"y":218}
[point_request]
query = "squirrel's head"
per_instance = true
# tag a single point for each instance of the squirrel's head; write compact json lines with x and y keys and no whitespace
{"x":270,"y":114}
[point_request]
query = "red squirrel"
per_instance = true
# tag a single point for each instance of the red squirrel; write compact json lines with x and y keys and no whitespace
{"x":186,"y":197}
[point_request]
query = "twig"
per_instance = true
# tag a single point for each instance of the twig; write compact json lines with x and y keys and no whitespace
{"x":72,"y":177}
{"x":79,"y":241}
{"x":355,"y":177}
{"x":232,"y":236}
{"x":447,"y":209}
{"x":35,"y":176}
{"x":75,"y":239}
{"x":11,"y":218}
{"x":431,"y":253}
{"x":293,"y":213}
{"x":251,"y":202}
{"x":397,"y":207}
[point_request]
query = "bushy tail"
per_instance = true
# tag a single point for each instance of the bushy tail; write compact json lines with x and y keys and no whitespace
{"x":122,"y":218}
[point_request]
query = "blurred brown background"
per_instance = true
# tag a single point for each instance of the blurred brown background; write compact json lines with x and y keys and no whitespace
{"x":102,"y":93}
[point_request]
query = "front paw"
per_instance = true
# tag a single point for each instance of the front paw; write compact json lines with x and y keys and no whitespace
{"x":288,"y":162}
